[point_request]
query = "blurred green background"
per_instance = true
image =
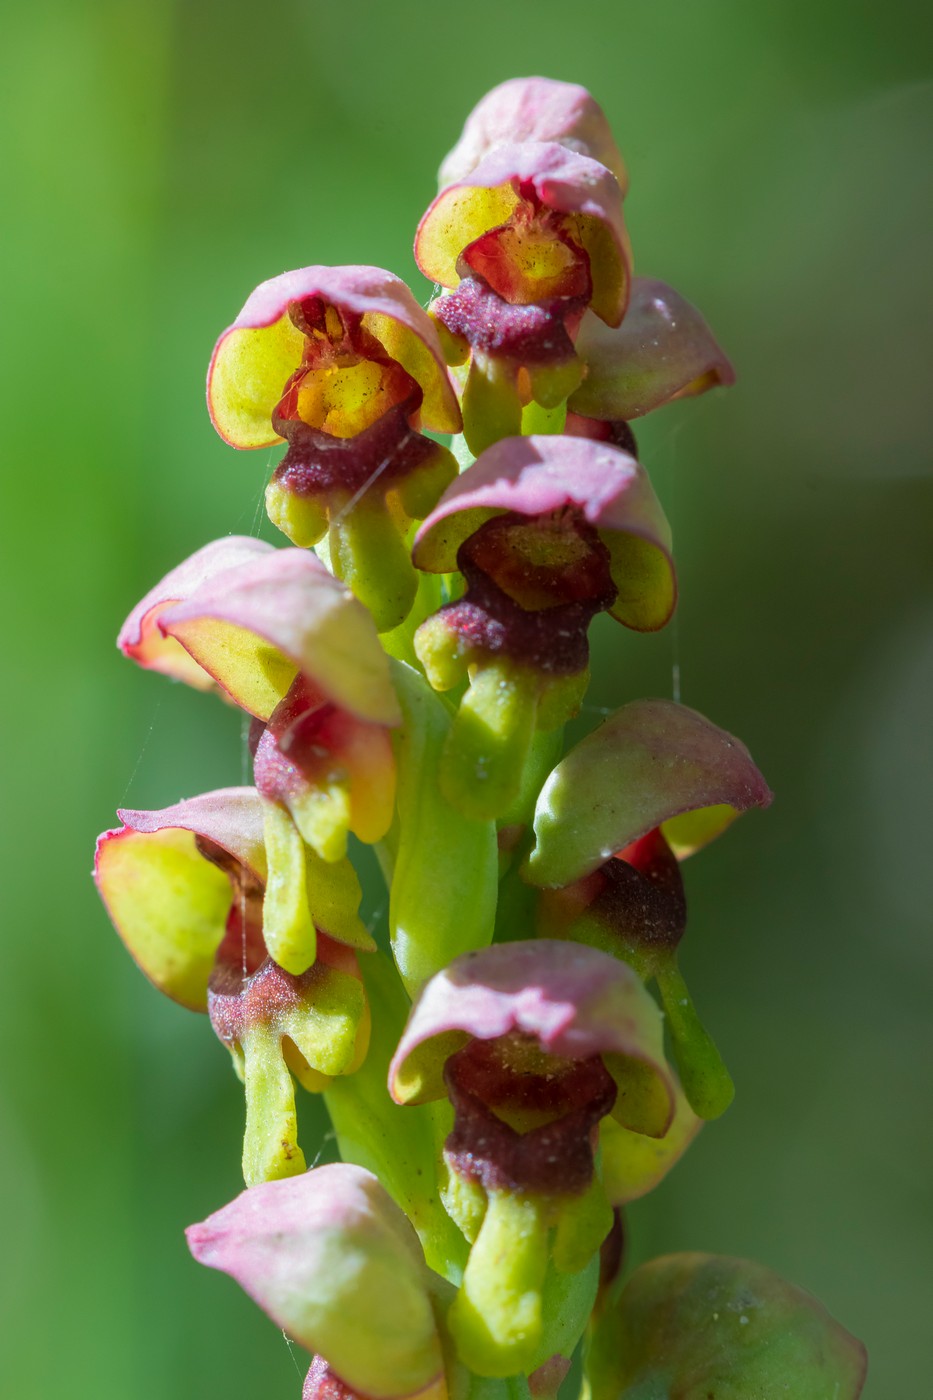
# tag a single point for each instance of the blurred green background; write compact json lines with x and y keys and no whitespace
{"x":160,"y":159}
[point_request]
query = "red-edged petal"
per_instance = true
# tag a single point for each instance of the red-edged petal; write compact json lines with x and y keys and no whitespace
{"x":140,"y":636}
{"x":253,"y":629}
{"x":168,"y":902}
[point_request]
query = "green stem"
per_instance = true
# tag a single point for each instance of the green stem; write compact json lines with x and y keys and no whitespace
{"x":399,"y":1145}
{"x":443,"y":889}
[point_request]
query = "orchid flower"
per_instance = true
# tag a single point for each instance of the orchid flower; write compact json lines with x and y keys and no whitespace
{"x":345,"y":365}
{"x":526,"y":241}
{"x":547,"y":532}
{"x":534,"y":1043}
{"x":654,"y":783}
{"x":334,"y":1262}
{"x":701,"y":1325}
{"x":184,"y":888}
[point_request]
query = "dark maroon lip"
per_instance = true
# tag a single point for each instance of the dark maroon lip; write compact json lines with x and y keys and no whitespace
{"x":538,"y":333}
{"x":553,"y":1159}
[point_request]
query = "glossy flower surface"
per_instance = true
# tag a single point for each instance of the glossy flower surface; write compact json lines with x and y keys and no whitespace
{"x":652,"y":764}
{"x":555,"y":493}
{"x":547,"y":531}
{"x":653,"y":784}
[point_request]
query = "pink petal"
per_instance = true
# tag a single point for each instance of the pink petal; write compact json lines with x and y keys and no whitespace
{"x":140,"y":637}
{"x":663,"y":350}
{"x":331,"y":1258}
{"x":650,"y":764}
{"x":576,"y":1001}
{"x":534,"y":109}
{"x":230,"y":817}
{"x":536,"y":476}
{"x":289,"y":602}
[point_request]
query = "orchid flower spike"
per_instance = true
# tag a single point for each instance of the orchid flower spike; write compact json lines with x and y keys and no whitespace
{"x":334,"y":1262}
{"x":345,"y":365}
{"x":547,"y":531}
{"x":526,"y":241}
{"x":281,"y":638}
{"x":654,"y":783}
{"x":534,"y":109}
{"x":534,"y":1044}
{"x":185,"y":890}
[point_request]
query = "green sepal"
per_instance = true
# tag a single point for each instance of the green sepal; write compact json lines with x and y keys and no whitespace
{"x":302,"y":519}
{"x":420,"y":490}
{"x":583,"y":1222}
{"x":322,"y":815}
{"x":369,"y":554}
{"x":442,"y":653}
{"x":552,"y":384}
{"x":517,"y":1308}
{"x":270,"y":1138}
{"x":567,"y":1302}
{"x":464,"y":1200}
{"x":443,"y":893}
{"x":491,"y":405}
{"x":539,"y":420}
{"x":321,"y":1035}
{"x":287,"y":925}
{"x":543,"y":754}
{"x":334,"y":897}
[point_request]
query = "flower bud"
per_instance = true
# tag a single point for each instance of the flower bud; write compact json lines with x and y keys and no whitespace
{"x":696,"y":1325}
{"x":333,"y":1261}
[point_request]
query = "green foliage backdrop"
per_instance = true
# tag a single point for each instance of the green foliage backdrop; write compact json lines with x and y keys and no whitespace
{"x":160,"y":159}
